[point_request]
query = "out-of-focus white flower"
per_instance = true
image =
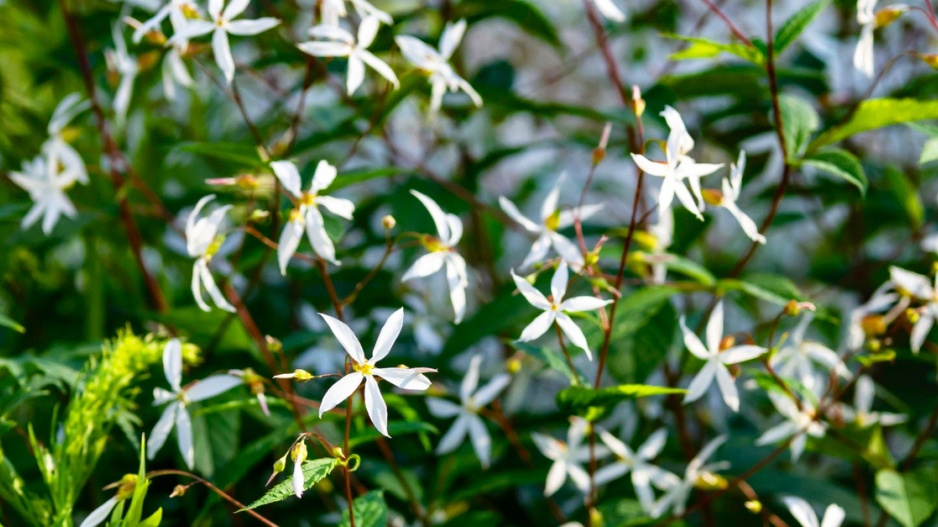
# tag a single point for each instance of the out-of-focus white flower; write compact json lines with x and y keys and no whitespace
{"x":716,"y":360}
{"x":568,"y":457}
{"x":436,"y":63}
{"x":677,"y":490}
{"x":552,"y":220}
{"x":883,"y":298}
{"x":202,"y":242}
{"x":663,"y":231}
{"x":175,"y":10}
{"x":306,"y":216}
{"x":677,"y":167}
{"x":800,"y":423}
{"x":556,"y":308}
{"x":732,"y":187}
{"x":638,"y":462}
{"x":255,"y":383}
{"x":333,"y":10}
{"x":178,"y":399}
{"x":804,"y":513}
{"x":46,"y":186}
{"x":862,"y":412}
{"x":471,"y":399}
{"x":427,"y":334}
{"x":610,"y":10}
{"x":365,"y":370}
{"x":221,"y":24}
{"x":101,"y":514}
{"x":798,"y":357}
{"x":341,"y":43}
{"x":120,"y":61}
{"x":443,"y":254}
{"x":56,"y":148}
{"x":870,"y":20}
{"x":924,"y":289}
{"x":174,"y":70}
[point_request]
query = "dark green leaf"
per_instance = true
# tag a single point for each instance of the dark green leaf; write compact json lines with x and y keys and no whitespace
{"x":370,"y":511}
{"x":525,"y":14}
{"x":8,"y":322}
{"x":841,"y":164}
{"x":794,"y":26}
{"x":799,"y":122}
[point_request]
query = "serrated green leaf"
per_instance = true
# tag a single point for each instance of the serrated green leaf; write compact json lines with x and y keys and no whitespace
{"x":840,"y":164}
{"x":370,"y":511}
{"x":874,"y":114}
{"x":702,"y":48}
{"x":794,"y":26}
{"x":799,"y":122}
{"x":909,"y":498}
{"x":578,"y":399}
{"x":313,"y":471}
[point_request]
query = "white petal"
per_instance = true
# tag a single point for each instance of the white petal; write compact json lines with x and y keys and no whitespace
{"x":574,"y":333}
{"x":288,"y":243}
{"x":801,"y":510}
{"x":380,"y":66}
{"x":567,"y":250}
{"x":452,"y":36}
{"x":367,"y":31}
{"x":211,"y":386}
{"x":610,"y":11}
{"x":346,"y":338}
{"x":684,"y":196}
{"x":532,"y":295}
{"x":172,"y":363}
{"x":184,"y":436}
{"x":426,"y":265}
{"x":454,"y":436}
{"x":101,"y":514}
{"x":777,"y":433}
{"x":338,"y":206}
{"x":457,"y":281}
{"x":914,"y":283}
{"x":920,"y":331}
{"x":161,"y":429}
{"x":833,"y":516}
{"x":715,"y":327}
{"x":374,"y":404}
{"x":481,"y":441}
{"x":439,"y":217}
{"x":318,"y":238}
{"x":442,"y":408}
{"x":298,"y":480}
{"x":739,"y":354}
{"x":487,"y":393}
{"x":209,"y":283}
{"x":611,"y":472}
{"x":196,"y":285}
{"x":653,"y":445}
{"x":700,"y":383}
{"x":405,"y":378}
{"x":692,"y":343}
{"x":583,"y":303}
{"x":235,"y":8}
{"x":325,"y":49}
{"x":558,"y":283}
{"x":727,"y":387}
{"x":512,"y":211}
{"x":539,"y":250}
{"x":863,"y":394}
{"x":340,"y":391}
{"x":222,"y":53}
{"x":214,"y":8}
{"x":251,"y":27}
{"x":323,"y":177}
{"x":749,"y":226}
{"x":652,"y":168}
{"x":471,"y":381}
{"x":388,"y":335}
{"x":538,"y":326}
{"x":288,"y":175}
{"x":555,"y":477}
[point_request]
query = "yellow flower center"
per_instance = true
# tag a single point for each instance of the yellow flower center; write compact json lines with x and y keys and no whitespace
{"x":296,"y":215}
{"x":553,"y":221}
{"x":364,"y":369}
{"x":308,"y":199}
{"x":214,"y":247}
{"x":433,"y":244}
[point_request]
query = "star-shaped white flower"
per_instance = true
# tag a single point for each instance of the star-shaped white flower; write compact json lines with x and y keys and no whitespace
{"x":862,"y":412}
{"x":175,"y":10}
{"x":716,"y":360}
{"x":568,"y":457}
{"x":178,"y":399}
{"x":365,"y":370}
{"x":732,"y":187}
{"x":552,"y":220}
{"x":798,"y":422}
{"x":56,"y":148}
{"x":884,"y":298}
{"x":306,"y":216}
{"x":436,"y":63}
{"x":333,"y":10}
{"x":923,"y":289}
{"x":556,"y":308}
{"x":120,"y":61}
{"x":798,"y":358}
{"x":466,"y":412}
{"x":804,"y":513}
{"x":638,"y":462}
{"x":202,"y":242}
{"x":221,"y":24}
{"x":677,"y":167}
{"x":46,"y":186}
{"x":677,"y":490}
{"x":341,"y":43}
{"x":610,"y":10}
{"x":443,"y":254}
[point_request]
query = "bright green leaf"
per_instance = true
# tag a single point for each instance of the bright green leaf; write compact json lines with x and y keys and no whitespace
{"x":873,"y":114}
{"x":794,"y":26}
{"x":909,"y":498}
{"x":370,"y":511}
{"x":8,"y":322}
{"x":841,"y":164}
{"x":702,"y":48}
{"x":313,"y":471}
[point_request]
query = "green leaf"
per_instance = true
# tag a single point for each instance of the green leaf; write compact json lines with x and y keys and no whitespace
{"x":873,"y":114}
{"x":929,"y":151}
{"x":799,"y":122}
{"x":906,"y":194}
{"x":769,"y":287}
{"x":313,"y":471}
{"x":841,"y":164}
{"x":794,"y":26}
{"x":370,"y":511}
{"x":346,"y":179}
{"x":909,"y":498}
{"x":243,"y":154}
{"x":553,"y":358}
{"x":8,"y":322}
{"x":153,"y":520}
{"x":578,"y":399}
{"x":525,"y":14}
{"x":395,"y":428}
{"x":702,"y":48}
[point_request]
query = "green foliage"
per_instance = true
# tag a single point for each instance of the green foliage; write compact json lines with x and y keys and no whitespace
{"x":799,"y":122}
{"x":314,"y":471}
{"x":789,"y":32}
{"x":370,"y":510}
{"x":873,"y":114}
{"x":581,"y":400}
{"x":840,"y":164}
{"x":909,"y":497}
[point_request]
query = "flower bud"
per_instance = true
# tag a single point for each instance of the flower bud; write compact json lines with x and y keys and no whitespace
{"x":929,"y":58}
{"x":599,"y":153}
{"x":178,"y":491}
{"x":711,"y":481}
{"x":299,"y":375}
{"x":298,"y":453}
{"x":126,"y":487}
{"x":727,"y":342}
{"x":792,"y":309}
{"x":638,"y":104}
{"x":189,"y":11}
{"x":912,"y":315}
{"x":513,"y":365}
{"x":889,"y":14}
{"x":873,"y":325}
{"x":388,"y":222}
{"x":754,"y":506}
{"x":273,"y":344}
{"x":338,"y":453}
{"x":279,"y":467}
{"x":147,"y":60}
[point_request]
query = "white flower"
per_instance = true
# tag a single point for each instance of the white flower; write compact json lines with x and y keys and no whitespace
{"x":427,"y":334}
{"x":883,"y":298}
{"x":638,"y":462}
{"x":101,"y":514}
{"x":46,"y":187}
{"x":556,"y":308}
{"x":365,"y":370}
{"x":862,"y":412}
{"x":716,"y":360}
{"x":797,"y":358}
{"x":333,"y":10}
{"x":357,"y":52}
{"x":126,"y":67}
{"x":732,"y":187}
{"x":306,"y":217}
{"x":677,"y":490}
{"x":202,"y":242}
{"x":609,"y":10}
{"x":468,"y":421}
{"x":175,"y":10}
{"x":443,"y":254}
{"x":178,"y":399}
{"x":220,"y":26}
{"x":678,"y":167}
{"x":802,"y":511}
{"x":436,"y":63}
{"x":56,"y":148}
{"x":567,"y":457}
{"x":869,"y":20}
{"x":173,"y":68}
{"x":552,"y":220}
{"x":922,"y":288}
{"x":799,"y":423}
